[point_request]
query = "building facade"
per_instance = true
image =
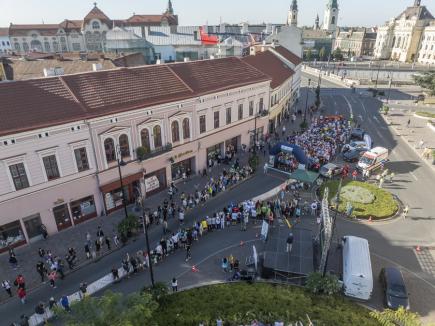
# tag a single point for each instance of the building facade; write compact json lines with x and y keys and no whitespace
{"x":5,"y":44}
{"x":330,"y":21}
{"x":359,"y":42}
{"x":60,"y":167}
{"x":292,"y":19}
{"x":400,"y":38}
{"x":426,"y":54}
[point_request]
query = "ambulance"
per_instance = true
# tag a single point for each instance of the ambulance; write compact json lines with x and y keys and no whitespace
{"x":373,"y":159}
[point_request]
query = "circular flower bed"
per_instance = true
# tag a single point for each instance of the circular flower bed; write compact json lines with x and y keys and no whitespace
{"x":367,"y":200}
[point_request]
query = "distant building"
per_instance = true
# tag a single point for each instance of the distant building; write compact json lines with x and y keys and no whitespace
{"x":292,"y":19}
{"x":357,"y":42}
{"x":401,"y":38}
{"x":426,"y":55}
{"x":5,"y":44}
{"x":330,"y":20}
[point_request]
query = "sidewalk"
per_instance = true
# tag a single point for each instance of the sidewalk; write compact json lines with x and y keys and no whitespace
{"x":417,"y":131}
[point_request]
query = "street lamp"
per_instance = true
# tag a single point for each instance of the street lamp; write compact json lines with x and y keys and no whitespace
{"x":306,"y":101}
{"x":146,"y":212}
{"x":389,"y":89}
{"x":121,"y":162}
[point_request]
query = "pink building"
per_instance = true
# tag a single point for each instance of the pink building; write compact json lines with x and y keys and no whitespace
{"x":61,"y":137}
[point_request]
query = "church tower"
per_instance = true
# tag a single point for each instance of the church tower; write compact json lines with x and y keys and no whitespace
{"x":292,"y":19}
{"x":331,"y":16}
{"x":417,"y":3}
{"x":169,"y":9}
{"x":317,"y":23}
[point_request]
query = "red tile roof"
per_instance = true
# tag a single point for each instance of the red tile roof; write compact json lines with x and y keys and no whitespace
{"x":40,"y":103}
{"x":69,"y":25}
{"x":96,"y":13}
{"x":42,"y":29}
{"x":290,"y":56}
{"x":271,"y":65}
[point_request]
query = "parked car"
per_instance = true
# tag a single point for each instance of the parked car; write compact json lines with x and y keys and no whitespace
{"x":354,"y":145}
{"x":354,"y":154}
{"x":329,"y":170}
{"x":357,"y":133}
{"x":395,"y":294}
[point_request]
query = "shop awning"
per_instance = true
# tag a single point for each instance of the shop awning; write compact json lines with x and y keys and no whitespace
{"x":304,"y":176}
{"x":117,"y":184}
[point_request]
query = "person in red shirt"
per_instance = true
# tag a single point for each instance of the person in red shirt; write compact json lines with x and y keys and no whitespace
{"x":20,"y":281}
{"x":22,"y":295}
{"x":354,"y":174}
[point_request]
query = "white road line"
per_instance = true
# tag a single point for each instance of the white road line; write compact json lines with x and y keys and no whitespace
{"x":413,"y":175}
{"x":360,"y":117}
{"x":349,"y":105}
{"x":376,"y":119}
{"x":364,"y":107}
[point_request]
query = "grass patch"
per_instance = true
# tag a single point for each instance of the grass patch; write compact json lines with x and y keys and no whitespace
{"x":241,"y":303}
{"x":425,"y":114}
{"x":383,"y":205}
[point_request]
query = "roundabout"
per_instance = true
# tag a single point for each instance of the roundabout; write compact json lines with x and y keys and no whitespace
{"x":362,"y":200}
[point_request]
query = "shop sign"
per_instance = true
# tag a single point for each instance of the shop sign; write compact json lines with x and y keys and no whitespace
{"x":152,"y":183}
{"x":109,"y":201}
{"x":182,"y":154}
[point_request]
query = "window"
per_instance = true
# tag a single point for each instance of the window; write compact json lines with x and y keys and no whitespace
{"x":76,"y":47}
{"x":240,"y":112}
{"x":216,"y":119}
{"x":251,"y":108}
{"x":157,"y":133}
{"x":55,"y":47}
{"x":261,"y":104}
{"x":47,"y":47}
{"x":186,"y":128}
{"x":19,"y":176}
{"x":228,"y":117}
{"x":175,"y":130}
{"x":145,"y":140}
{"x":81,"y":159}
{"x":202,"y":126}
{"x":51,"y":169}
{"x":17,"y":46}
{"x":25,"y":47}
{"x":95,"y":25}
{"x":109,"y":148}
{"x":124,"y":146}
{"x":333,"y":20}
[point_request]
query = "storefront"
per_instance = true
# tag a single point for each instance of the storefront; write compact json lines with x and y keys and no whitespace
{"x":62,"y":217}
{"x":11,"y":235}
{"x":260,"y":136}
{"x":112,"y":192}
{"x":155,"y":182}
{"x":186,"y":166}
{"x":83,"y":209}
{"x":214,"y":151}
{"x":232,"y":144}
{"x":33,"y":227}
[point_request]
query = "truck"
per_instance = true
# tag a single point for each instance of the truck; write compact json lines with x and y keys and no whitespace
{"x":373,"y":159}
{"x":357,"y":268}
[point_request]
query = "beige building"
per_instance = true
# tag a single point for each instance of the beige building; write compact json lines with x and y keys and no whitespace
{"x":401,"y":37}
{"x":426,"y":55}
{"x":357,"y":42}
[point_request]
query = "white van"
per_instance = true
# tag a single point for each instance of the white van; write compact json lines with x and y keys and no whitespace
{"x":357,"y":268}
{"x":373,"y":159}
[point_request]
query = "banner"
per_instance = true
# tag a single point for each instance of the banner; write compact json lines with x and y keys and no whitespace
{"x":152,"y":183}
{"x":264,"y":230}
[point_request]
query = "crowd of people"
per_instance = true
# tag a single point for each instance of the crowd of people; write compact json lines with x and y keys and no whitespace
{"x":286,"y":162}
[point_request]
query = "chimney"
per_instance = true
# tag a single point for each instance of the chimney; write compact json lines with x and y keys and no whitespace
{"x":97,"y":67}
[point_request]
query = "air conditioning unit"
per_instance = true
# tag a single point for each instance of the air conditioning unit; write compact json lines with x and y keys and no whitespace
{"x":186,"y":59}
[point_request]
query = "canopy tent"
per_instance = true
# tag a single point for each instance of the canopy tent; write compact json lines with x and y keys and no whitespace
{"x":297,"y":151}
{"x":304,"y":176}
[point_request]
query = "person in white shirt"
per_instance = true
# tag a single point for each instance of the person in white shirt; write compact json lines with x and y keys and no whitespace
{"x":174,"y":285}
{"x":218,"y":221}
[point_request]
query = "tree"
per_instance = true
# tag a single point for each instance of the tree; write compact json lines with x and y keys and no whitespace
{"x":112,"y":309}
{"x":400,"y":317}
{"x":337,"y":54}
{"x":328,"y":285}
{"x":322,"y":54}
{"x":427,"y":81}
{"x":309,"y":55}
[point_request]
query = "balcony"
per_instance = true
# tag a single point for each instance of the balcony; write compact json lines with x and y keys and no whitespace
{"x":154,"y":153}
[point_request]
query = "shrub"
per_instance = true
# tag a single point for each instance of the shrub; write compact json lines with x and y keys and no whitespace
{"x":158,"y":292}
{"x":303,"y":125}
{"x":141,"y":152}
{"x":254,"y":161}
{"x":318,"y":284}
{"x":128,"y":226}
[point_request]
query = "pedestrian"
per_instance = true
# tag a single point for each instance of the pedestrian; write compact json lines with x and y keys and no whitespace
{"x":405,"y":211}
{"x":40,"y":268}
{"x":391,"y":177}
{"x":20,"y":282}
{"x":22,"y":295}
{"x":24,"y":320}
{"x":408,"y":123}
{"x":116,"y":239}
{"x":64,"y":302}
{"x":13,"y":260}
{"x":289,"y":242}
{"x":165,"y":227}
{"x":354,"y":175}
{"x":188,"y":253}
{"x":40,"y":311}
{"x":108,"y":243}
{"x":44,"y":232}
{"x":420,"y":144}
{"x":88,"y":238}
{"x":174,"y":285}
{"x":115,"y":274}
{"x":41,"y":252}
{"x":100,"y":234}
{"x":97,"y":247}
{"x":83,"y":289}
{"x":265,"y":168}
{"x":52,"y":278}
{"x":52,"y":303}
{"x":381,"y":182}
{"x":7,"y":286}
{"x":59,"y":268}
{"x":314,"y":208}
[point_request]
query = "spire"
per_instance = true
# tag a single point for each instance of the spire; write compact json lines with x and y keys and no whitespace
{"x":317,"y":22}
{"x":417,"y":3}
{"x":332,"y":4}
{"x":170,"y":9}
{"x":294,"y":5}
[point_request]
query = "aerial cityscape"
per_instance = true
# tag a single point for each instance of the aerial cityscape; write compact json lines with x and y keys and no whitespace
{"x":154,"y":172}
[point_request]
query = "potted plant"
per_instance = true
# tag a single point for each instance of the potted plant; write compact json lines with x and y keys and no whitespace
{"x":141,"y":152}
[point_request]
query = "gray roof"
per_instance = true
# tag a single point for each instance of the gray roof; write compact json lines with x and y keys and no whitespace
{"x":419,"y":12}
{"x":315,"y":34}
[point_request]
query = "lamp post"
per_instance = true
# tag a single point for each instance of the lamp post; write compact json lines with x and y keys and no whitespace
{"x":389,"y":89}
{"x":121,"y":162}
{"x":306,"y":101}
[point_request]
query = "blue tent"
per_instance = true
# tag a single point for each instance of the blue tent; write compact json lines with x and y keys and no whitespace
{"x":297,"y":151}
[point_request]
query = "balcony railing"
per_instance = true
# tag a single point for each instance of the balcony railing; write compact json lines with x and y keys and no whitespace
{"x":156,"y":152}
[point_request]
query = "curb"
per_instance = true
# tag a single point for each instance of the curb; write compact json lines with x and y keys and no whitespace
{"x":421,"y":117}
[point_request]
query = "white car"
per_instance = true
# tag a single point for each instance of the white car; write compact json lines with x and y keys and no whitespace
{"x":355,"y":145}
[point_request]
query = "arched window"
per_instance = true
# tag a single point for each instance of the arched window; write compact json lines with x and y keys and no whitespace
{"x":109,"y":148}
{"x":394,"y":41}
{"x":25,"y":47}
{"x":17,"y":47}
{"x":333,"y":20}
{"x":157,"y":134}
{"x":36,"y":45}
{"x":47,"y":47}
{"x":124,"y":147}
{"x":186,"y":129}
{"x":55,"y":47}
{"x":145,"y":140}
{"x":95,"y":25}
{"x":175,"y":128}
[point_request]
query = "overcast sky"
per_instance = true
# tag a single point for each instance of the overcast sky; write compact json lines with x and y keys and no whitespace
{"x":199,"y":12}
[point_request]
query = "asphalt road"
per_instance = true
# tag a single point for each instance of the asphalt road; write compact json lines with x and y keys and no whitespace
{"x":393,"y":243}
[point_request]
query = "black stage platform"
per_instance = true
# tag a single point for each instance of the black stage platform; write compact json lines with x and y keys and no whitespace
{"x":278,"y":262}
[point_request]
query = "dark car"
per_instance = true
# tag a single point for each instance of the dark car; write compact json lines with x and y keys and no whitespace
{"x":394,"y":288}
{"x":357,"y":133}
{"x":354,"y":154}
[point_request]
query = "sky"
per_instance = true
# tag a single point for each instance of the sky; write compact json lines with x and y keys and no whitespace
{"x":200,"y":12}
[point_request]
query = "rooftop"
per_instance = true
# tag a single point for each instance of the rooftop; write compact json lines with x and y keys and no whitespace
{"x":416,"y":12}
{"x":290,"y":56}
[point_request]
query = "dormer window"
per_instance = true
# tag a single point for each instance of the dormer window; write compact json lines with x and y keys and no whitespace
{"x":95,"y":25}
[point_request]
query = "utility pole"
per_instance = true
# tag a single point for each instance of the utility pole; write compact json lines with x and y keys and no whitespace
{"x":306,"y":101}
{"x":389,"y":89}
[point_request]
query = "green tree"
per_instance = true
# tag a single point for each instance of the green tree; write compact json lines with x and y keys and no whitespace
{"x":322,"y":54}
{"x":337,"y":54}
{"x":400,"y":317}
{"x":112,"y":309}
{"x":318,"y":284}
{"x":309,"y":55}
{"x":427,"y":81}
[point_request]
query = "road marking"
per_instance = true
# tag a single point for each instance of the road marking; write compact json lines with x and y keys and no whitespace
{"x":360,"y":117}
{"x":364,"y":107}
{"x":349,"y":105}
{"x":376,"y":119}
{"x":413,"y":175}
